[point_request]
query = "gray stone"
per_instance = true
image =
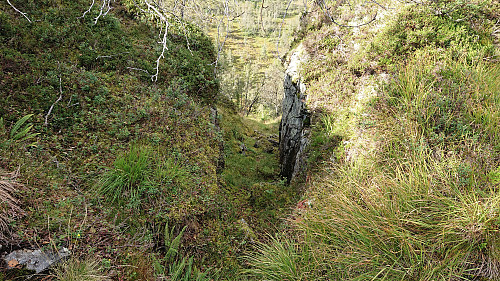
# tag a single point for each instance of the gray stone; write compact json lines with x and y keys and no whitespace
{"x":243,"y":148}
{"x":36,"y":260}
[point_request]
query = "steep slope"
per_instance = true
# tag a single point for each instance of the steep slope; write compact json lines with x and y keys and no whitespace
{"x":402,"y":180}
{"x":117,"y":157}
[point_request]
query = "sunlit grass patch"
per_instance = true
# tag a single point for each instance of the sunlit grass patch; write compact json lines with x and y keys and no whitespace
{"x":425,"y":207}
{"x":278,"y":259}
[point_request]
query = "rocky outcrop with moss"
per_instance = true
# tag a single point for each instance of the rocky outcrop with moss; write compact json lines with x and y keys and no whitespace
{"x":295,"y":118}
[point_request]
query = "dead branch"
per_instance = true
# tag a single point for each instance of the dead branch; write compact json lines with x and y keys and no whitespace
{"x":24,"y":14}
{"x":103,"y":10}
{"x":52,"y":106}
{"x":139,"y":69}
{"x":9,"y":204}
{"x":87,"y":11}
{"x":154,"y":78}
{"x":220,"y":45}
{"x":261,"y":21}
{"x":111,"y":56}
{"x":105,"y":5}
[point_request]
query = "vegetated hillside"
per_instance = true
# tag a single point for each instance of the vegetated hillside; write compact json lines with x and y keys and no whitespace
{"x":109,"y":157}
{"x":404,"y":155}
{"x":140,"y":180}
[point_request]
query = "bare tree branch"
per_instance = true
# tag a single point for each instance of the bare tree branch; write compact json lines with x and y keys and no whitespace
{"x":220,"y":45}
{"x":24,"y":14}
{"x":103,"y":10}
{"x":88,"y":10}
{"x":105,"y":4}
{"x":261,"y":21}
{"x":139,"y":69}
{"x":154,"y":78}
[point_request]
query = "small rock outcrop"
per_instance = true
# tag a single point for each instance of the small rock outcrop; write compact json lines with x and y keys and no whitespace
{"x":295,"y":119}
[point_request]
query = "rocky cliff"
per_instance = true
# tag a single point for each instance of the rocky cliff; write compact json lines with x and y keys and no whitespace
{"x":295,"y":118}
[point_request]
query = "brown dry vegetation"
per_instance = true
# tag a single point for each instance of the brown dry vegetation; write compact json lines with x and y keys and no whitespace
{"x":10,"y":205}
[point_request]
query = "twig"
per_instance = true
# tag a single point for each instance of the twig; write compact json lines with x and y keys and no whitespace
{"x":104,"y":4}
{"x":139,"y":69}
{"x":110,"y":56}
{"x":91,"y":6}
{"x":24,"y":14}
{"x":52,"y":106}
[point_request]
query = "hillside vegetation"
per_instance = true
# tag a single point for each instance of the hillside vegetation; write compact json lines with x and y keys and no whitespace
{"x":108,"y":158}
{"x":404,"y":160}
{"x":140,"y":180}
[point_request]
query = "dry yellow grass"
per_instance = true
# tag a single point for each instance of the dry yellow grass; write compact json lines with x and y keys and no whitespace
{"x":9,"y":205}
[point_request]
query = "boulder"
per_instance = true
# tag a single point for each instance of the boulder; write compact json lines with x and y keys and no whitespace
{"x":36,"y":260}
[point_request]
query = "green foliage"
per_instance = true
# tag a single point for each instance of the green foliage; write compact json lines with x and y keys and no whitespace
{"x":423,"y":203}
{"x":172,"y":242}
{"x":18,"y":133}
{"x":173,"y":265}
{"x":2,"y":127}
{"x":325,"y":140}
{"x":130,"y":177}
{"x":495,"y":176}
{"x":436,"y":28}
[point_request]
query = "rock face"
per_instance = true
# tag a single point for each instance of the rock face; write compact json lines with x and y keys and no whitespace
{"x":295,"y":119}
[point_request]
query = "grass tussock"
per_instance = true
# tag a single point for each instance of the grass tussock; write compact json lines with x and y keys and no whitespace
{"x":80,"y":270}
{"x":276,"y":260}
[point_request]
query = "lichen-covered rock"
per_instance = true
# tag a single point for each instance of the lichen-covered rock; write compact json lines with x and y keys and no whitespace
{"x":36,"y":260}
{"x":294,"y":120}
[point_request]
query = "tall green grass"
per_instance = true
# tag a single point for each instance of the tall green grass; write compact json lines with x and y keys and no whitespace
{"x":174,"y":266}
